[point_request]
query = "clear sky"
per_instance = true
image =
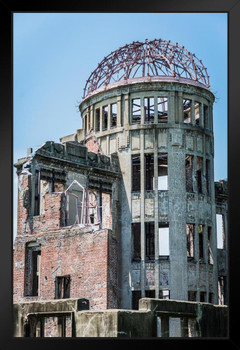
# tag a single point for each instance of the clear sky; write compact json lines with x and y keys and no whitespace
{"x":54,"y":54}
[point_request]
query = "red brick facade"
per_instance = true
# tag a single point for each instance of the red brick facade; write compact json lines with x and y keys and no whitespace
{"x":92,"y":144}
{"x":89,"y":258}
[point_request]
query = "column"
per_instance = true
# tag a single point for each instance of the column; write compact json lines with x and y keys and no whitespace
{"x":119,"y":122}
{"x":142,"y":213}
{"x":156,"y":230}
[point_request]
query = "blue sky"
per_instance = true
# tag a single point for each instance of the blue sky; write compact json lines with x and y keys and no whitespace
{"x":54,"y":54}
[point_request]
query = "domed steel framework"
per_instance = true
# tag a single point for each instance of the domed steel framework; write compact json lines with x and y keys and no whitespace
{"x":144,"y":59}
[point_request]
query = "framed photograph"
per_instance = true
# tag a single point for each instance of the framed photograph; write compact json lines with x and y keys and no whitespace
{"x":122,"y":174}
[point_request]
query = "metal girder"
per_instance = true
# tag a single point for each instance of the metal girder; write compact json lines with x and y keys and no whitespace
{"x":150,"y":58}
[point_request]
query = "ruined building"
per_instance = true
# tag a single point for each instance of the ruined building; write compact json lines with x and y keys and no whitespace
{"x":125,"y":208}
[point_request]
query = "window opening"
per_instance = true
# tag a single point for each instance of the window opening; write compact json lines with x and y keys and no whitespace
{"x":163,"y":232}
{"x":211,"y":298}
{"x":92,"y":218}
{"x":150,"y":293}
{"x":199,"y":174}
{"x":190,"y":241}
{"x":192,"y":295}
{"x":136,"y":183}
{"x":164,"y":294}
{"x":113,"y":115}
{"x":97,"y":119}
{"x":82,"y":205}
{"x":149,"y":171}
{"x":136,"y":111}
{"x":105,"y":118}
{"x":197,"y":113}
{"x":210,"y":257}
{"x":62,"y":287}
{"x":136,"y":236}
{"x":187,"y":111}
{"x":32,"y":269}
{"x":162,"y":172}
{"x":189,"y":172}
{"x":200,"y":235}
{"x":136,"y":295}
{"x":149,"y":110}
{"x":150,"y":244}
{"x":37,"y":193}
{"x":202,"y":297}
{"x":61,"y":326}
{"x":162,"y":108}
{"x":34,"y":326}
{"x":220,"y":232}
{"x":221,"y":290}
{"x":75,"y":195}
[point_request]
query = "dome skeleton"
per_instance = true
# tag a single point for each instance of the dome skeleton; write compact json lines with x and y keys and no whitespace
{"x":143,"y":59}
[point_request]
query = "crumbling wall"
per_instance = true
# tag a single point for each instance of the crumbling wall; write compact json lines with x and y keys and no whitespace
{"x":88,"y":257}
{"x":92,"y":144}
{"x":51,"y":209}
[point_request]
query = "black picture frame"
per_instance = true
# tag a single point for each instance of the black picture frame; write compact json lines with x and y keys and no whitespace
{"x":7,"y":8}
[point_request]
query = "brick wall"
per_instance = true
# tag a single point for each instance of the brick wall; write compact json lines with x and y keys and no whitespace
{"x":106,"y":211}
{"x":89,"y":258}
{"x":92,"y":144}
{"x":51,"y":216}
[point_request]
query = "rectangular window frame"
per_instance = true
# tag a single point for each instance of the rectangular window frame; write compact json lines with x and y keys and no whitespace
{"x":136,"y":107}
{"x":149,"y":171}
{"x":149,"y":110}
{"x":162,"y":112}
{"x":62,"y":287}
{"x":32,"y":269}
{"x":149,"y":241}
{"x":136,"y":173}
{"x":190,"y":230}
{"x":187,"y":111}
{"x":105,"y":116}
{"x":163,"y":226}
{"x":113,"y":115}
{"x":200,"y":243}
{"x":97,"y":119}
{"x":162,"y":164}
{"x":136,"y":241}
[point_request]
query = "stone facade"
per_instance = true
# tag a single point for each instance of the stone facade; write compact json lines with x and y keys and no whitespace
{"x":175,"y":205}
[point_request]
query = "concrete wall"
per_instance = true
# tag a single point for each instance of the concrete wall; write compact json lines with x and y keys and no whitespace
{"x":195,"y":319}
{"x":175,"y":206}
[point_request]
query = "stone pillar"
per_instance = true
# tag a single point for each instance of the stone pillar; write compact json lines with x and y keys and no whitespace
{"x":201,"y":122}
{"x":101,"y":117}
{"x":142,"y":213}
{"x":214,"y":234}
{"x":126,"y":111}
{"x":179,"y":108}
{"x":192,"y":111}
{"x":156,"y":230}
{"x":119,"y":112}
{"x":171,"y":107}
{"x":109,"y":117}
{"x":125,"y":236}
{"x":91,"y":118}
{"x":177,"y":221}
{"x":196,"y":252}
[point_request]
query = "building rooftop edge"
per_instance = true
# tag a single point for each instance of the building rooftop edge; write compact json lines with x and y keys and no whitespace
{"x":149,"y":79}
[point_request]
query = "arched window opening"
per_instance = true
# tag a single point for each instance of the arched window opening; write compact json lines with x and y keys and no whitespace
{"x":81,"y":206}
